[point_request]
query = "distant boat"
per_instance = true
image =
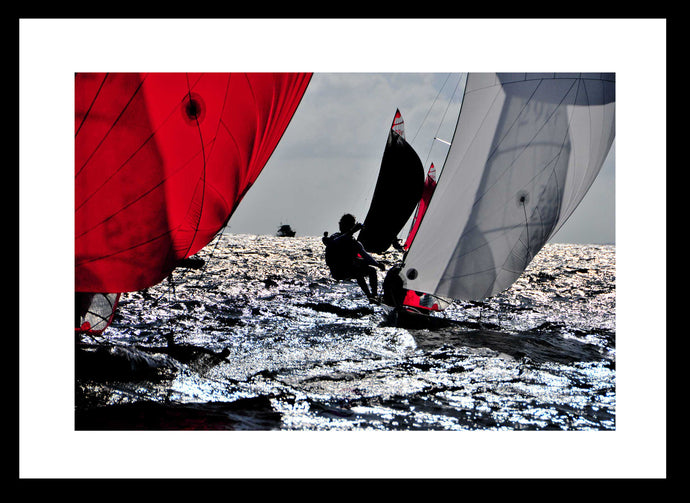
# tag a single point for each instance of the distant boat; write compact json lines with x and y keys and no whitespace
{"x":285,"y":231}
{"x":162,"y":160}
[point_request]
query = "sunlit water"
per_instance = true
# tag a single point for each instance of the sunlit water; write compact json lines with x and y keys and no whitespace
{"x":309,"y":353}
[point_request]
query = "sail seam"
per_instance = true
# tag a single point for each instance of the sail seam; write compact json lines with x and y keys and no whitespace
{"x":88,"y":110}
{"x":110,"y":129}
{"x":509,"y":167}
{"x":124,"y":250}
{"x":517,"y":117}
{"x":478,"y":198}
{"x":199,"y":205}
{"x":552,"y":163}
{"x":139,"y":198}
{"x":126,"y":162}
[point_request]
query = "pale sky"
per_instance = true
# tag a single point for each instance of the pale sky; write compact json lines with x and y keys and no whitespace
{"x":328,"y":160}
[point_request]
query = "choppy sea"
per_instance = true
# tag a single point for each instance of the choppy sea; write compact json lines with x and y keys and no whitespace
{"x":264,"y":339}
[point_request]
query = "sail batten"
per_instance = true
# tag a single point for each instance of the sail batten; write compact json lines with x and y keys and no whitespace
{"x":526,"y":149}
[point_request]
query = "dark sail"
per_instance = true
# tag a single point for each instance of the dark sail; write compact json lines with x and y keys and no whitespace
{"x":397,"y":193}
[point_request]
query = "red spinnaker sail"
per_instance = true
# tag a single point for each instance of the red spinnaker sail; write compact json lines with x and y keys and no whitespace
{"x":161,"y":162}
{"x":429,"y":186}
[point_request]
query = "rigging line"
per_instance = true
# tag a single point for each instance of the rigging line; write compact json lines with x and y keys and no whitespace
{"x":443,"y":118}
{"x":165,"y":292}
{"x":529,"y":246}
{"x":203,"y":174}
{"x":438,"y":176}
{"x":432,"y":106}
{"x":211,"y":256}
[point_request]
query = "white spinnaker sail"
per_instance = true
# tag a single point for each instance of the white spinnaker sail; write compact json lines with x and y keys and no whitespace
{"x":526,"y":149}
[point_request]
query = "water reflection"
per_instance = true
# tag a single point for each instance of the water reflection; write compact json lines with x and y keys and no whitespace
{"x":303,"y":352}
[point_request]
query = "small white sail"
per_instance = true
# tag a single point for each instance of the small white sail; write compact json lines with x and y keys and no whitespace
{"x":526,"y":149}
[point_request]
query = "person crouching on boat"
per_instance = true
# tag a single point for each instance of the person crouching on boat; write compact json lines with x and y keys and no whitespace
{"x":347,"y":259}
